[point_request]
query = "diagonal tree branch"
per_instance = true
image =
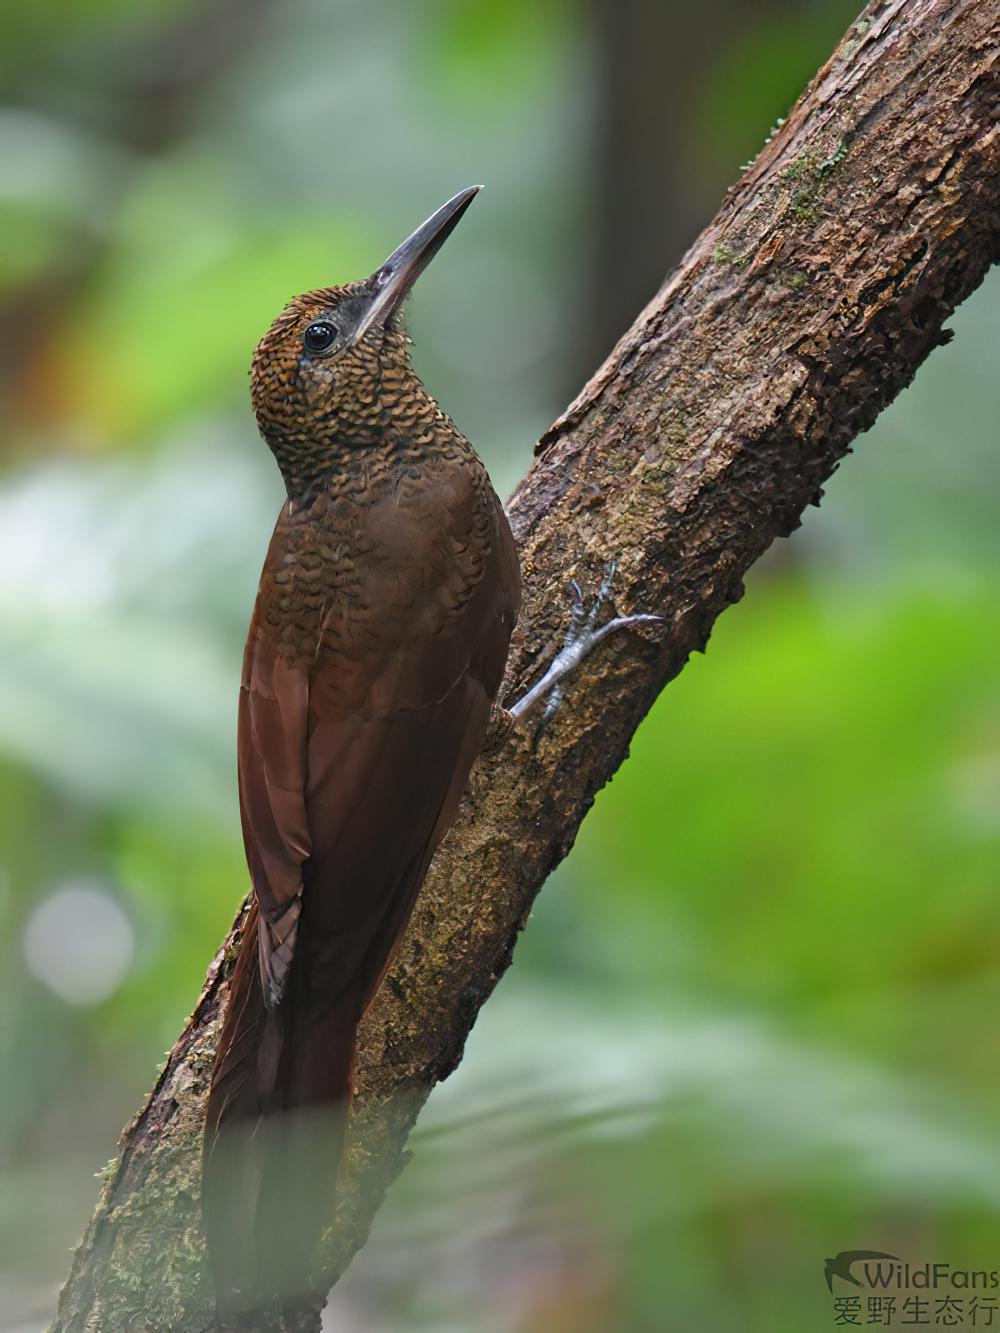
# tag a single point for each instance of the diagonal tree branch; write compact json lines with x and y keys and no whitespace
{"x":801,"y":311}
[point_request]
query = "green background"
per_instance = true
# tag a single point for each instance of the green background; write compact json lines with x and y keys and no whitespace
{"x":752,"y":1021}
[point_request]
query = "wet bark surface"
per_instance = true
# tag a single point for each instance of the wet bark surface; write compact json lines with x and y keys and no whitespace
{"x":806,"y":305}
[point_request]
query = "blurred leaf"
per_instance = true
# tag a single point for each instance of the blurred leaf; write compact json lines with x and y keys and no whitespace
{"x":761,"y":76}
{"x":824,"y":837}
{"x":494,"y":46}
{"x":172,"y":319}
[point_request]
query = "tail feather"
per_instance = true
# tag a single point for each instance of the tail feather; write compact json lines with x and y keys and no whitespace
{"x":274,"y":1133}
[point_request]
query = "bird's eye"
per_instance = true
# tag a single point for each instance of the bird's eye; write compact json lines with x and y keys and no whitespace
{"x":319,"y":336}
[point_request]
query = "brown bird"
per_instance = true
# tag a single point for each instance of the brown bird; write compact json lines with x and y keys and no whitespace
{"x":377,"y":644}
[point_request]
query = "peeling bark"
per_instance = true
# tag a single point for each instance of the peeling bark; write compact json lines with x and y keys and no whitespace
{"x":802,"y":310}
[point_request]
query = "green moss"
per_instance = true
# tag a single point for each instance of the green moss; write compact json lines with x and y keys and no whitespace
{"x":795,"y":279}
{"x":107,"y":1171}
{"x":156,"y":1270}
{"x":724,"y":253}
{"x":803,"y":206}
{"x":831,"y":163}
{"x":808,"y":176}
{"x":854,"y":40}
{"x":804,"y":166}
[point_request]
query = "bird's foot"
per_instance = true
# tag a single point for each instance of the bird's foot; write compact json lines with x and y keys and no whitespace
{"x":583,"y":634}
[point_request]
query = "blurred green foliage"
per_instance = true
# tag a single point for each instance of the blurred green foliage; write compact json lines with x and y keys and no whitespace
{"x":749,"y":1023}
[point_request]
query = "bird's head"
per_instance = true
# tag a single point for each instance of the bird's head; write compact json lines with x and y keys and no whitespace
{"x":333,"y":371}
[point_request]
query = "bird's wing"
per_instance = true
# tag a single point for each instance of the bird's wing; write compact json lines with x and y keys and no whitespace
{"x":352,"y":764}
{"x":272,"y":745}
{"x":353,"y":757}
{"x":388,"y":758}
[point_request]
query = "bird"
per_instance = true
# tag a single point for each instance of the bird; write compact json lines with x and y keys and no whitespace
{"x":840,"y":1264}
{"x":376,"y":649}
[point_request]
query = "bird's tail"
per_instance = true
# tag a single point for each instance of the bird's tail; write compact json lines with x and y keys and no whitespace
{"x":274,"y":1133}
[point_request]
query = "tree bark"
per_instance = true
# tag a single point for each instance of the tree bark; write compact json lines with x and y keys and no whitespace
{"x":800,"y":312}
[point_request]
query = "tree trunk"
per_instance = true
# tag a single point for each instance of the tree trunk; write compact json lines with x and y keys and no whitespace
{"x":800,"y":312}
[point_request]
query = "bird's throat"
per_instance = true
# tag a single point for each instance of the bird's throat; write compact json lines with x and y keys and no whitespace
{"x":329,"y":465}
{"x":339,"y":455}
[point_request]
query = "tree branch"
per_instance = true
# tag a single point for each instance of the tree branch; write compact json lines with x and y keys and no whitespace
{"x":801,"y":311}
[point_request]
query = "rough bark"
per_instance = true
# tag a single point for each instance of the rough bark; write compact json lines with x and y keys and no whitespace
{"x":806,"y":305}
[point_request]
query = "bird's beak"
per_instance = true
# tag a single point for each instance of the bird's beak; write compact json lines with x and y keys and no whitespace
{"x":391,"y":283}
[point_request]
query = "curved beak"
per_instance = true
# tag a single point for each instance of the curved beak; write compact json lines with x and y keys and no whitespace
{"x":391,"y":284}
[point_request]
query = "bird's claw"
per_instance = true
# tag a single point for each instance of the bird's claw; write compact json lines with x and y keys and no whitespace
{"x":583,"y":633}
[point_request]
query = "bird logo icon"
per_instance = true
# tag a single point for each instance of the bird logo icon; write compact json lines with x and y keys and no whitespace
{"x":840,"y":1265}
